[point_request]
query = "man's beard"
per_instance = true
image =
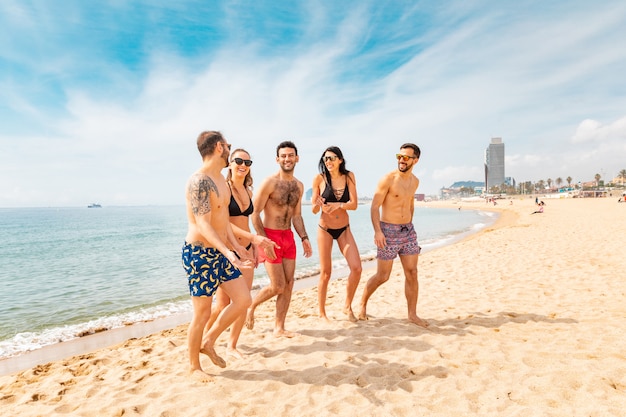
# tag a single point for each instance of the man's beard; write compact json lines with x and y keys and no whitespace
{"x":406,"y":168}
{"x":282,"y":167}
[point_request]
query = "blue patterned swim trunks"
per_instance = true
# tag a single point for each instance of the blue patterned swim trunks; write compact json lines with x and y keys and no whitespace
{"x":206,"y":269}
{"x":401,"y":240}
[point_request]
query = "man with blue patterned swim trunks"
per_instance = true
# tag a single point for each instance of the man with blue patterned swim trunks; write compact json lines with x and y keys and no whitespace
{"x":212,"y":256}
{"x":394,"y":234}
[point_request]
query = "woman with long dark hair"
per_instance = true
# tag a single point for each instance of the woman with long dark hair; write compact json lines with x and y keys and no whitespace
{"x":334,"y":193}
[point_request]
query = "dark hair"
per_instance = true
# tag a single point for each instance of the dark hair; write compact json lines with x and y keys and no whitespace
{"x":207,"y":141}
{"x":247,"y":182}
{"x":286,"y":144}
{"x":416,"y":149}
{"x":342,"y":166}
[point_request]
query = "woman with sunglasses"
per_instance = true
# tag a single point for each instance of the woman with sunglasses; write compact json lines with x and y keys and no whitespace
{"x":334,"y":192}
{"x":239,"y":181}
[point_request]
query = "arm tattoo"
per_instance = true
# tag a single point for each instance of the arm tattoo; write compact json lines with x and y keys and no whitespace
{"x":200,"y":189}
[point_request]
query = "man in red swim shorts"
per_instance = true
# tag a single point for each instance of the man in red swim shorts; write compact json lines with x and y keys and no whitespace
{"x":279,"y":199}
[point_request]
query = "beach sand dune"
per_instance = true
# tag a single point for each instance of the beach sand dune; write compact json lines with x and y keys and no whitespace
{"x":527,"y":318}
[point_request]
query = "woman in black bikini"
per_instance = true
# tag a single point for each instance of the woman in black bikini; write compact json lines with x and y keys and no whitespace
{"x":240,"y":208}
{"x":334,"y":192}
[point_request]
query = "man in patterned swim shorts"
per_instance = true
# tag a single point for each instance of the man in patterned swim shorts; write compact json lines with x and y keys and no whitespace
{"x":212,"y":256}
{"x":394,"y":234}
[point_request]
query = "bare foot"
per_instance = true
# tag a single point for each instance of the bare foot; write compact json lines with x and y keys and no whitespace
{"x":234,"y":353}
{"x":200,"y":376}
{"x":250,"y":319}
{"x":418,"y":321}
{"x":285,"y":333}
{"x":325,"y":319}
{"x":348,"y":312}
{"x":363,"y":315}
{"x":215,"y":358}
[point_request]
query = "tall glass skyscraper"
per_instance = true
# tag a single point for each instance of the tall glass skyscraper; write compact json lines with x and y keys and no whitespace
{"x":494,"y":164}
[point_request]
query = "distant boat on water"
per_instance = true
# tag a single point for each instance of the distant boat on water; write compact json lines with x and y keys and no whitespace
{"x":94,"y":205}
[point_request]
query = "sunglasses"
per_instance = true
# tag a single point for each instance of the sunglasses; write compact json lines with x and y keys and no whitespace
{"x":404,"y":158}
{"x":330,"y":158}
{"x":240,"y":161}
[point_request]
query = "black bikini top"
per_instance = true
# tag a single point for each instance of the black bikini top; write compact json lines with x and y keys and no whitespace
{"x":329,"y":196}
{"x":235,"y":210}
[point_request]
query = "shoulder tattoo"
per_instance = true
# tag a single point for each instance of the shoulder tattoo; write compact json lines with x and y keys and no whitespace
{"x":200,"y":189}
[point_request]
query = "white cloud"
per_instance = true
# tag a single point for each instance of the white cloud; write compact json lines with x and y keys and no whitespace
{"x":592,"y":130}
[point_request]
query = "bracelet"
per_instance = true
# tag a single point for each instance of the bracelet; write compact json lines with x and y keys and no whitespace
{"x":340,"y":205}
{"x":305,"y":237}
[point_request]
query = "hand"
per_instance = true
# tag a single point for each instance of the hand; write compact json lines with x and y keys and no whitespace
{"x":255,"y":255}
{"x":267,"y":245}
{"x":247,"y":264}
{"x":308,"y":250}
{"x":379,"y":240}
{"x":243,"y":254}
{"x":329,"y":208}
{"x":320,"y":201}
{"x":238,"y":263}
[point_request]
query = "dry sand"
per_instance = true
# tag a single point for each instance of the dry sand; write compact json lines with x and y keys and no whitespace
{"x":527,"y":319}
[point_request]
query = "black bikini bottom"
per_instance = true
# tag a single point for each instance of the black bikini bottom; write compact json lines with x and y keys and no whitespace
{"x":334,"y":233}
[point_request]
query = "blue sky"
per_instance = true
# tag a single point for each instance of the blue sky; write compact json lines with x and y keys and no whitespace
{"x":102,"y":102}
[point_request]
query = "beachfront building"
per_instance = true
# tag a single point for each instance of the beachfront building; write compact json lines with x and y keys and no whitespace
{"x":494,"y":164}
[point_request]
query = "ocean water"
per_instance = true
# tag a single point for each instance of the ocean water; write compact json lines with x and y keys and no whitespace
{"x":67,"y":272}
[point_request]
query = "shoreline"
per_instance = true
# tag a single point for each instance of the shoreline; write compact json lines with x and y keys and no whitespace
{"x":110,"y":337}
{"x":526,"y":318}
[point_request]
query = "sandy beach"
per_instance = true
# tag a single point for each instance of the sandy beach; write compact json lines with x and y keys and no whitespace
{"x":527,"y":318}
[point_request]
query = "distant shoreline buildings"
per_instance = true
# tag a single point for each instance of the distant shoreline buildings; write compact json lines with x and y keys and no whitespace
{"x":494,"y":164}
{"x":496,"y":183}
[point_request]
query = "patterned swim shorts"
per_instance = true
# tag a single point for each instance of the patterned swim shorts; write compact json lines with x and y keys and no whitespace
{"x":401,"y":240}
{"x":206,"y":269}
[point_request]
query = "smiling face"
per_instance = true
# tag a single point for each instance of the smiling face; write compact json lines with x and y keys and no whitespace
{"x":239,"y":171}
{"x":406,"y":159}
{"x":287,"y":159}
{"x":331,"y":160}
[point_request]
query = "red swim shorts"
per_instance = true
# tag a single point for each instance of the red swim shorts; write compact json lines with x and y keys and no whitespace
{"x":284,"y":239}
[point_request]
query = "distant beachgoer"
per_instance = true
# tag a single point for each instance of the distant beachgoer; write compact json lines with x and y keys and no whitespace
{"x":212,"y":256}
{"x":239,"y":180}
{"x":394,"y":233}
{"x":334,"y":192}
{"x":280,"y":200}
{"x":540,"y":210}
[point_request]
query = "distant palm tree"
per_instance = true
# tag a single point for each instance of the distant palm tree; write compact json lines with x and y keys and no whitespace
{"x":559,"y":181}
{"x":597,"y":177}
{"x":541,"y":184}
{"x":569,"y":181}
{"x":622,"y":175}
{"x":549,"y":181}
